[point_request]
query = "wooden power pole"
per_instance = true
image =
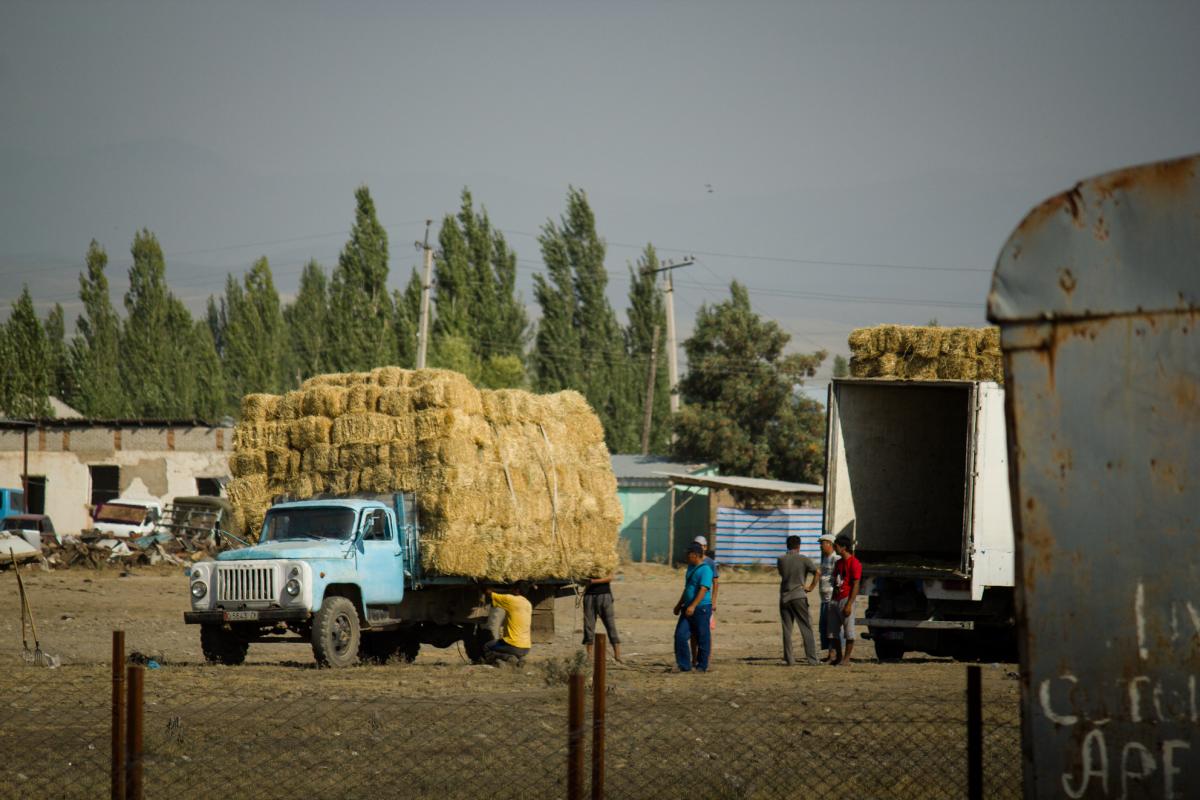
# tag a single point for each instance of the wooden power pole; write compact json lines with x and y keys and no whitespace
{"x":672,"y":345}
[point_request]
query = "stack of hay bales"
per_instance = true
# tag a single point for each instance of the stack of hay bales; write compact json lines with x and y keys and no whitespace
{"x":510,"y":485}
{"x":915,"y":353}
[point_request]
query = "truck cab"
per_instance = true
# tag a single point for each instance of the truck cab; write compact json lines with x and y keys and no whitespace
{"x":342,"y":573}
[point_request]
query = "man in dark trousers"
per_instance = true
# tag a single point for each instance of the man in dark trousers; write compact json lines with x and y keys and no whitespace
{"x":797,"y":577}
{"x":694,"y":610}
{"x":598,"y":602}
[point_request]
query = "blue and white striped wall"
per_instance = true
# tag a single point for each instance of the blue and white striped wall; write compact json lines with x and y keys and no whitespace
{"x":746,"y":536}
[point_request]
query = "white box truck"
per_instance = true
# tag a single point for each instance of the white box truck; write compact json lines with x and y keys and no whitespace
{"x":917,"y":476}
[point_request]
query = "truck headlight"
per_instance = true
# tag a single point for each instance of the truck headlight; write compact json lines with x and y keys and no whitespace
{"x":292,"y":587}
{"x":199,"y":589}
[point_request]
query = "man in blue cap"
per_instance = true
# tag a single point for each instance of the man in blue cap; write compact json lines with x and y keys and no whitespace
{"x":694,"y":610}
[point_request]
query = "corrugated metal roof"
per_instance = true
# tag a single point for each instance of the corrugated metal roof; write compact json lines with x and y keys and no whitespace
{"x":758,"y":485}
{"x":83,"y":422}
{"x":648,"y":471}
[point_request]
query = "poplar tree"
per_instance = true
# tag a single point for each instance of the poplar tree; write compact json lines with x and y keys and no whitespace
{"x":307,"y":321}
{"x":157,"y":359}
{"x":579,"y":344}
{"x":210,"y":398}
{"x":253,"y":339}
{"x":406,"y":315}
{"x":360,"y":307}
{"x":56,"y":344}
{"x":647,"y":311}
{"x":95,"y":385}
{"x":27,"y":361}
{"x":476,"y":296}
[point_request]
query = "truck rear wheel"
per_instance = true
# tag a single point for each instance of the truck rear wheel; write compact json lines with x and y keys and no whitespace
{"x":221,"y":646}
{"x":336,"y":633}
{"x":889,"y":649}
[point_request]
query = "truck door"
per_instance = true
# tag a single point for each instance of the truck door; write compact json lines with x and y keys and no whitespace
{"x":380,"y":559}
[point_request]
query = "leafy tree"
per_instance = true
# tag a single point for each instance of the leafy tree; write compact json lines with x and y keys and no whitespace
{"x":406,"y":314}
{"x":579,"y":344}
{"x":360,"y":309}
{"x":27,"y":361}
{"x":56,"y":343}
{"x":741,"y":408}
{"x":158,"y":361}
{"x":841,"y":368}
{"x":647,"y":311}
{"x":476,"y":297}
{"x":307,"y":322}
{"x":95,"y":386}
{"x":454,"y":352}
{"x":210,"y":401}
{"x":253,"y":336}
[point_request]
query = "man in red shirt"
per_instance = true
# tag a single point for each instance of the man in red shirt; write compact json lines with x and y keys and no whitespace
{"x":847,"y":578}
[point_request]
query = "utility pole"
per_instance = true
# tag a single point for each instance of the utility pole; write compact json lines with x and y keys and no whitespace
{"x":649,"y":412}
{"x":672,"y":346}
{"x":426,"y":284}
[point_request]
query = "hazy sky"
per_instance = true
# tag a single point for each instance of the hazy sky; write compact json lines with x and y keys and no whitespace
{"x":842,"y":141}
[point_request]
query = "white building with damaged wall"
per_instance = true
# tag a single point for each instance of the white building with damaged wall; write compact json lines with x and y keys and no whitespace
{"x":77,"y":463}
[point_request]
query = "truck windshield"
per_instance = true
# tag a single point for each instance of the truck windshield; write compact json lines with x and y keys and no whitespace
{"x":286,"y":524}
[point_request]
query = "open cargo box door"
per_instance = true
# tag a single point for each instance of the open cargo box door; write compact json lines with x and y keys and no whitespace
{"x":899,"y":457}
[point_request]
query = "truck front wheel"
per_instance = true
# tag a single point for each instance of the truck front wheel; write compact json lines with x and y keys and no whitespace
{"x":335,"y":633}
{"x":221,"y":646}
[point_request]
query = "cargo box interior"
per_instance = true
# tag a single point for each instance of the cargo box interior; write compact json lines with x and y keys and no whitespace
{"x":906,"y":451}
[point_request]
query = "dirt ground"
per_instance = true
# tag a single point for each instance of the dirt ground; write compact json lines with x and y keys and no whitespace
{"x":76,"y":610}
{"x":59,"y":717}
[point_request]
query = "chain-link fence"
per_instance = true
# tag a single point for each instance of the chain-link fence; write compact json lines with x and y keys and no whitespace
{"x":372,"y":732}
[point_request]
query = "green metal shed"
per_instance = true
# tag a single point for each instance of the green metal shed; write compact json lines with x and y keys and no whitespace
{"x":645,"y":494}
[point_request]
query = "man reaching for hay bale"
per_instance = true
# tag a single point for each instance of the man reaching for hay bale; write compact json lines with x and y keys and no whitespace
{"x":516,"y":642}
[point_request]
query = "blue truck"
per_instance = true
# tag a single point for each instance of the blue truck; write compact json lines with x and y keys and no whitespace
{"x":12,"y":502}
{"x":343,"y":573}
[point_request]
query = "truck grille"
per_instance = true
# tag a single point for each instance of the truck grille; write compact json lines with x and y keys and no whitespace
{"x":242,"y":583}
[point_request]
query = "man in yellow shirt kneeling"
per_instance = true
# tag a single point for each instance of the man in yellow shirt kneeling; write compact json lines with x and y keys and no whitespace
{"x":518,"y":613}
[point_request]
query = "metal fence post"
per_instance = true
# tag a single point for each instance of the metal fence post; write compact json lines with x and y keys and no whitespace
{"x":599,"y":692}
{"x":133,"y":746}
{"x":575,"y":734}
{"x":974,"y":733}
{"x":118,"y":715}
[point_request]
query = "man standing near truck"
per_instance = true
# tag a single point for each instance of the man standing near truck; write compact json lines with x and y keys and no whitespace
{"x":514,"y":645}
{"x":695,"y":612}
{"x":829,"y":559}
{"x":847,"y":578}
{"x":797,"y":577}
{"x":598,"y":602}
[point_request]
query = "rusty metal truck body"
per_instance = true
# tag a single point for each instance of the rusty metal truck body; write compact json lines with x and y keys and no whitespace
{"x":1097,"y":294}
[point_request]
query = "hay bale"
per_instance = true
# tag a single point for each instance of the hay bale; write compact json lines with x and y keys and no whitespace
{"x":510,"y":485}
{"x":259,"y":435}
{"x":362,"y":398}
{"x":305,"y":432}
{"x":259,"y":407}
{"x":247,"y":462}
{"x":395,"y":402}
{"x":363,"y":429}
{"x":323,"y":401}
{"x":925,"y":353}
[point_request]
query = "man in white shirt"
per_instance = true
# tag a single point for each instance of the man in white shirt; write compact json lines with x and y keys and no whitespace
{"x":828,"y":559}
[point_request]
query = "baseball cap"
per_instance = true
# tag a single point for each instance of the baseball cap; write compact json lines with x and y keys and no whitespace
{"x":700,"y":540}
{"x":828,"y":537}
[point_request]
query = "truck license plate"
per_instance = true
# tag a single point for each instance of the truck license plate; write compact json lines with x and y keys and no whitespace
{"x":240,"y":616}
